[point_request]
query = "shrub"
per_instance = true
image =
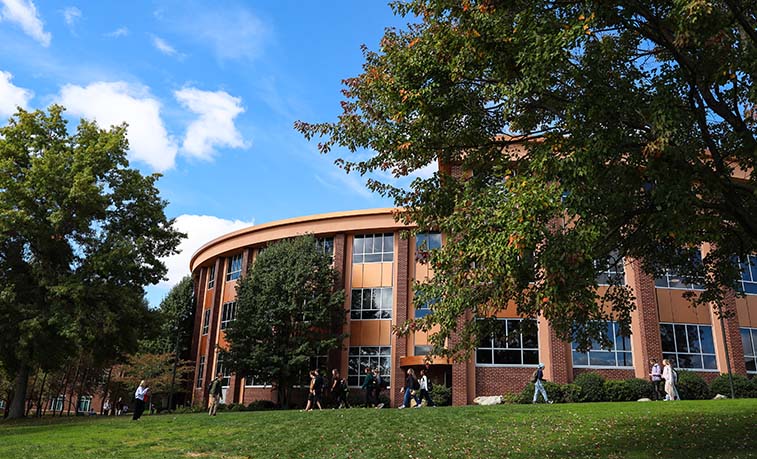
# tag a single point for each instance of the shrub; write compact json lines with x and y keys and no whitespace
{"x":592,"y":387}
{"x":237,"y":407}
{"x":571,"y":393}
{"x":691,"y":386}
{"x":261,"y":405}
{"x":742,"y":386}
{"x":558,"y":393}
{"x":627,"y":390}
{"x":441,"y":395}
{"x":511,"y":398}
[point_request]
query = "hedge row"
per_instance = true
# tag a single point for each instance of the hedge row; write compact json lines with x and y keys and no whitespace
{"x":592,"y":387}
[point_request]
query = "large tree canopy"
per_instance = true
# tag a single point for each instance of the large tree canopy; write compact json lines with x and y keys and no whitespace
{"x":81,"y":233}
{"x":584,"y":129}
{"x":288,"y":310}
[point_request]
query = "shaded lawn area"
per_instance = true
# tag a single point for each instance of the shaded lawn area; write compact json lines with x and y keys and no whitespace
{"x":688,"y":429}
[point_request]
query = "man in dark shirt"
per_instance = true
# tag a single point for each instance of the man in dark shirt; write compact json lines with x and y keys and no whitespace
{"x":368,"y":384}
{"x":318,"y":389}
{"x":216,"y":389}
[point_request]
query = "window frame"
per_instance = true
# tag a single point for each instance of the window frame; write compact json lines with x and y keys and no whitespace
{"x":226,"y":379}
{"x":87,"y":399}
{"x":233,"y":267}
{"x":748,"y":267}
{"x":753,"y":342}
{"x":212,"y":276}
{"x":666,"y":282}
{"x":493,"y":348}
{"x":356,"y":352}
{"x":362,"y":302}
{"x":616,"y":267}
{"x":200,"y":371}
{"x":385,"y":256}
{"x":206,"y":322}
{"x":615,"y":335}
{"x":666,"y":354}
{"x":228,"y":313}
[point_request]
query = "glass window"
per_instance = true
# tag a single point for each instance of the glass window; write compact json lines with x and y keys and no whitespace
{"x":422,"y":350}
{"x":326,"y":247}
{"x":688,"y":346}
{"x":516,"y":342}
{"x":233,"y":267}
{"x":619,"y":356}
{"x":371,"y":303}
{"x":423,"y":309}
{"x":362,"y":357}
{"x":206,"y":322}
{"x":611,"y":270}
{"x":226,"y":379}
{"x":749,"y":342}
{"x":228,"y":313}
{"x":85,"y":403}
{"x":212,"y":276}
{"x":56,"y":404}
{"x":427,"y":241}
{"x":373,"y":248}
{"x":748,"y":283}
{"x":249,"y":381}
{"x":671,"y":279}
{"x":200,"y":371}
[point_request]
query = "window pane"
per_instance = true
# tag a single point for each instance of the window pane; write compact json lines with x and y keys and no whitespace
{"x":356,"y":302}
{"x":421,"y":241}
{"x":580,"y":358}
{"x":709,"y":362}
{"x":372,"y":258}
{"x":484,"y":356}
{"x":666,"y":334}
{"x":625,"y":359}
{"x":693,"y":333}
{"x":602,"y":358}
{"x":680,"y":332}
{"x":530,"y":334}
{"x":355,"y":314}
{"x":434,"y":240}
{"x":690,"y":360}
{"x":507,"y":357}
{"x":375,"y":299}
{"x":751,"y":364}
{"x":386,"y":301}
{"x":530,"y":357}
{"x":705,"y":333}
{"x":358,"y":248}
{"x":746,"y":341}
{"x":513,"y":334}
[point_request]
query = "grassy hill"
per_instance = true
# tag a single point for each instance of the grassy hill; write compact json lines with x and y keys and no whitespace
{"x":688,"y":429}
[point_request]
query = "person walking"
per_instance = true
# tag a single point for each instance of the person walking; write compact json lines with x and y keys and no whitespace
{"x":655,"y":375}
{"x":139,"y":400}
{"x":411,"y":387}
{"x":368,"y":385}
{"x":538,"y":380}
{"x":311,"y":391}
{"x":339,"y":389}
{"x":380,"y":384}
{"x":671,"y":378}
{"x":426,"y":389}
{"x":215,"y":392}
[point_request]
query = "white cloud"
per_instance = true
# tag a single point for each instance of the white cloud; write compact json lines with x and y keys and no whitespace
{"x":163,"y":46}
{"x":112,"y":103}
{"x":119,"y":32}
{"x":24,"y":13}
{"x":200,"y":229}
{"x":71,"y":16}
{"x":11,"y":96}
{"x":215,"y":125}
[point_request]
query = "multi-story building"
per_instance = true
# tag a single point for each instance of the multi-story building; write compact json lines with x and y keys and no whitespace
{"x":378,"y":268}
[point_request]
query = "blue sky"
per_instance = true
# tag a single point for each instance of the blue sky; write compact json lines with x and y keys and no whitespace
{"x":210,"y":91}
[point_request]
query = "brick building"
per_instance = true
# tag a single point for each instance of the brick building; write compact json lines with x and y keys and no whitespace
{"x":378,"y":269}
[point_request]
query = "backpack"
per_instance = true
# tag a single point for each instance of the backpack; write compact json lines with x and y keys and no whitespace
{"x":416,"y":384}
{"x":535,"y":376}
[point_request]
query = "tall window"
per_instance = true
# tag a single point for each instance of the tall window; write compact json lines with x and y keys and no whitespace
{"x":206,"y":322}
{"x":85,"y":403}
{"x":326,"y":247}
{"x":619,"y":356}
{"x":423,"y":309}
{"x":688,"y":346}
{"x":515,"y":343}
{"x":56,"y":404}
{"x":748,"y":283}
{"x":200,"y":371}
{"x":371,"y":303}
{"x":672,"y":279}
{"x":226,"y":379}
{"x":749,"y":341}
{"x":611,"y":270}
{"x":228,"y":313}
{"x":428,"y":241}
{"x":212,"y":276}
{"x":233,"y":267}
{"x":373,"y":248}
{"x":362,"y":357}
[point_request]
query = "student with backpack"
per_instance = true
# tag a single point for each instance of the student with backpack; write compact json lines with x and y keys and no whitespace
{"x":538,"y":379}
{"x":369,"y":384}
{"x":411,"y":387}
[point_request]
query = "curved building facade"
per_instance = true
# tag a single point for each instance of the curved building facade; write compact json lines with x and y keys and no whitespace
{"x":378,"y":267}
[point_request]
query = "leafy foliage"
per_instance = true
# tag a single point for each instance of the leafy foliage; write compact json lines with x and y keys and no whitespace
{"x":155,"y":369}
{"x":742,"y":386}
{"x":582,"y":128}
{"x":172,"y":322}
{"x":81,"y":233}
{"x":558,"y":393}
{"x":592,"y":387}
{"x":691,"y":386}
{"x":441,"y":395}
{"x":288,"y":310}
{"x":627,"y":390}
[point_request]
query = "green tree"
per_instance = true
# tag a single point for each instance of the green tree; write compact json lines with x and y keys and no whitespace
{"x":173,"y":321}
{"x":81,"y":233}
{"x":288,"y":310}
{"x":585,"y":128}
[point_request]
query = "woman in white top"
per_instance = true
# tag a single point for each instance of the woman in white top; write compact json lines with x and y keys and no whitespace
{"x":670,"y":377}
{"x":139,"y":400}
{"x":425,"y":389}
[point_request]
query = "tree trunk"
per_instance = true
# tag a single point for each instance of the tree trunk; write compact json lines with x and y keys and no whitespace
{"x":30,"y":402}
{"x":106,"y":394}
{"x":16,"y":410}
{"x":71,"y":393}
{"x":39,"y":399}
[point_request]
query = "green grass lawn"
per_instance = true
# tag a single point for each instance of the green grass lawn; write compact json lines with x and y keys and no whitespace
{"x":688,"y":429}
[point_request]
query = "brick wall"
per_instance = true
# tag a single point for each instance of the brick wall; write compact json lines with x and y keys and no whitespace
{"x":502,"y":380}
{"x":399,"y":343}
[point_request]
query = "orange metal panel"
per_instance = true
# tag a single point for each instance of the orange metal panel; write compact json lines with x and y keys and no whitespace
{"x":387,"y":273}
{"x":370,"y":333}
{"x":372,"y":275}
{"x":683,"y":312}
{"x":356,"y":328}
{"x":422,"y":272}
{"x":742,"y":309}
{"x":664,"y":305}
{"x":385,"y":332}
{"x":421,"y":338}
{"x":357,"y":276}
